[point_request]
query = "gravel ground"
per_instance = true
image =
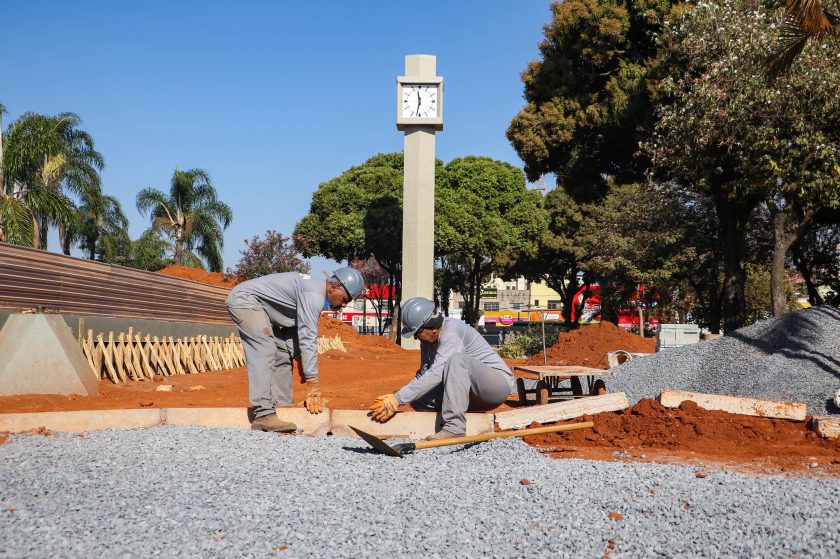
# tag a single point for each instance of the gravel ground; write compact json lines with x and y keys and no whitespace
{"x":193,"y":491}
{"x":794,"y":357}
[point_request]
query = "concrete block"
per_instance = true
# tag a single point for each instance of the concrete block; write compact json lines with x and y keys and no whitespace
{"x":404,"y":425}
{"x":522,"y":417}
{"x":39,"y":355}
{"x":237,"y":418}
{"x":827,"y":426}
{"x":734,"y":404}
{"x":311,"y":424}
{"x":79,"y":421}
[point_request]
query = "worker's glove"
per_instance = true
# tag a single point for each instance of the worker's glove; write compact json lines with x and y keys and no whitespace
{"x":314,"y":402}
{"x":384,"y":408}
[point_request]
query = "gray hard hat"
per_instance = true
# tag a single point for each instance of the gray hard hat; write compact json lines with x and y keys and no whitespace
{"x":415,"y":313}
{"x":351,"y":280}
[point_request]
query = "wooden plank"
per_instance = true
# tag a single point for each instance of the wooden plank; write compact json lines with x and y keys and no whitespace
{"x":143,"y":351}
{"x":106,"y":359}
{"x":563,"y":371}
{"x":522,"y":417}
{"x":735,"y":404}
{"x":827,"y":426}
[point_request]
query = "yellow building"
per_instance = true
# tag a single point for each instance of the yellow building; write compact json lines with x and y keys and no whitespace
{"x":543,"y":297}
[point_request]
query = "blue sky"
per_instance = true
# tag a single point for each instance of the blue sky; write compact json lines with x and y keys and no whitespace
{"x":271,"y":98}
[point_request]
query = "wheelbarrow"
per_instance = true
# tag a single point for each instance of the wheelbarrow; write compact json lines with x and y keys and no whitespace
{"x":559,"y":382}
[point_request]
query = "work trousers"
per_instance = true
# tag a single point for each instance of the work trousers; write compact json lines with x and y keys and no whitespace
{"x":468,"y":385}
{"x":269,"y":351}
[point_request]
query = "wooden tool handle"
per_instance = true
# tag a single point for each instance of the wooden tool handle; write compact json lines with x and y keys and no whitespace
{"x":506,"y":434}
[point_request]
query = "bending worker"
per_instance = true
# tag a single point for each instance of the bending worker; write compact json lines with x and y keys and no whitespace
{"x":277,"y":316}
{"x":459,"y":371}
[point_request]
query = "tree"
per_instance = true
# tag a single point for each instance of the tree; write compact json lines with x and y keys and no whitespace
{"x":44,"y":158}
{"x":191,"y":215}
{"x":730,"y":137}
{"x":273,"y":254}
{"x":590,"y":99}
{"x":357,"y":215}
{"x":485,"y":220}
{"x":101,"y":227}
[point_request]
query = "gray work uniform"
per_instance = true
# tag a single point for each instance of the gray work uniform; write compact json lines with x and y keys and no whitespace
{"x":459,"y":372}
{"x":277,"y":316}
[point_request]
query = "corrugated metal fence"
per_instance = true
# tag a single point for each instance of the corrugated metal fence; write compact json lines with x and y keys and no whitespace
{"x":64,"y":284}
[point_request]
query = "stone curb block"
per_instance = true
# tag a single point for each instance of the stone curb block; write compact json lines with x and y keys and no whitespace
{"x":404,"y":425}
{"x":735,"y":404}
{"x":76,"y":421}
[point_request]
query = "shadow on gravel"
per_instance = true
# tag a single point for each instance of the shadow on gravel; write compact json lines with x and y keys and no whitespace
{"x":794,"y":336}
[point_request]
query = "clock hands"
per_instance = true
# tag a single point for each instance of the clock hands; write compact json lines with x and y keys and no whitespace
{"x":418,"y":102}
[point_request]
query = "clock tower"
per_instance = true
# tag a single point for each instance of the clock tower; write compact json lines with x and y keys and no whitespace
{"x":419,"y":115}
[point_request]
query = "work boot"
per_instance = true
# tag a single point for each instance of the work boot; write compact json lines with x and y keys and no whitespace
{"x":443,"y":434}
{"x":273,"y":424}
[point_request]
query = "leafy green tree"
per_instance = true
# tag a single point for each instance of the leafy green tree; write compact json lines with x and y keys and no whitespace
{"x":485,"y":220}
{"x":590,"y":98}
{"x":274,"y":253}
{"x":149,"y":252}
{"x":191,"y":215}
{"x":357,"y":215}
{"x":745,"y":145}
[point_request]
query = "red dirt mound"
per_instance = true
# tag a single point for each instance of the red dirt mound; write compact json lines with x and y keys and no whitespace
{"x":352,"y":340}
{"x":691,"y":432}
{"x":201,"y":276}
{"x":588,"y":346}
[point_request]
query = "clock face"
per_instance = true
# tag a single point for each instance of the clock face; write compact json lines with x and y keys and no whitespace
{"x":420,"y":101}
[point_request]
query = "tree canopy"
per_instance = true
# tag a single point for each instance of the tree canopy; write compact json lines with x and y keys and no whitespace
{"x":589,"y":99}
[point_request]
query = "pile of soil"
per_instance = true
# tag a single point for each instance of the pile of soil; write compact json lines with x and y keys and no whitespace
{"x":588,"y":346}
{"x":201,"y":276}
{"x":352,"y":340}
{"x":651,"y":431}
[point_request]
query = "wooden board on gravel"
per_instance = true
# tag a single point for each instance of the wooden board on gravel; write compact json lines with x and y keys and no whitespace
{"x":735,"y":404}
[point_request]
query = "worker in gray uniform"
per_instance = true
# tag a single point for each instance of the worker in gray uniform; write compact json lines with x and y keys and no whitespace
{"x":459,"y":371}
{"x":277,"y":316}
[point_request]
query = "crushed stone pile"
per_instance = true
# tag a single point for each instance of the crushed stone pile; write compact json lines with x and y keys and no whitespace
{"x":588,"y":346}
{"x":196,"y":492}
{"x":795,"y":357}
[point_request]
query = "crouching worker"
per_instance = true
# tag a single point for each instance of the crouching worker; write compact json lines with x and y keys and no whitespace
{"x":277,"y":316}
{"x":459,"y":371}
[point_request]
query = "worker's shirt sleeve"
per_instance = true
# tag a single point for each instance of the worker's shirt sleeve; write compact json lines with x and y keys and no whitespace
{"x":309,"y":311}
{"x":430,"y":374}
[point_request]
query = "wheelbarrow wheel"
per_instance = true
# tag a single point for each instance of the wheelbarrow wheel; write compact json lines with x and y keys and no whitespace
{"x":542,"y":393}
{"x":599,"y":388}
{"x":577,"y":389}
{"x":520,"y":389}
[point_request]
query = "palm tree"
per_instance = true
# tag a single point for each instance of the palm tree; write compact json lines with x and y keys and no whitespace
{"x":191,"y":214}
{"x":44,"y":158}
{"x":27,"y":167}
{"x":804,"y":20}
{"x":101,"y":228}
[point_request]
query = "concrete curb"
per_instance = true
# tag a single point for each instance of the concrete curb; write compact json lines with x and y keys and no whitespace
{"x":404,"y":425}
{"x":337,"y":422}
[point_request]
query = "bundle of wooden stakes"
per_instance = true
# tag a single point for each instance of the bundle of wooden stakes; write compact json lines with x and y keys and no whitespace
{"x":128,"y":357}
